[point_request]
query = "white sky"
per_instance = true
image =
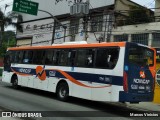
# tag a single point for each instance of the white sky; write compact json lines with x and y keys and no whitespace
{"x":146,"y":3}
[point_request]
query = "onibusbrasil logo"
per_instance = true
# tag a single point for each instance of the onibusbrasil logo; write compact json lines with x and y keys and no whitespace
{"x":41,"y":73}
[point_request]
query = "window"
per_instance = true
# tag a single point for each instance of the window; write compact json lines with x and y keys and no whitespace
{"x":38,"y":57}
{"x":64,"y":57}
{"x":140,"y":38}
{"x":56,"y":55}
{"x":97,"y":23}
{"x":141,"y":56}
{"x":120,"y":38}
{"x":49,"y":57}
{"x":85,"y":58}
{"x":155,"y":40}
{"x":28,"y":57}
{"x":107,"y":58}
{"x":18,"y":57}
{"x":74,"y":26}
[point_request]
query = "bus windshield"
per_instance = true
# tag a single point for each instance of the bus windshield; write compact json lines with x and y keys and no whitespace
{"x":141,"y":55}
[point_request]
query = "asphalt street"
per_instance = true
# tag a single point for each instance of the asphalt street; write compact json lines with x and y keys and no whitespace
{"x":27,"y":99}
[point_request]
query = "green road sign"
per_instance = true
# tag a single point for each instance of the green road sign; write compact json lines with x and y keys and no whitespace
{"x":25,"y":6}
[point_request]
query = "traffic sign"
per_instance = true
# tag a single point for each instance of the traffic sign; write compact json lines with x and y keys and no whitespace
{"x":25,"y":6}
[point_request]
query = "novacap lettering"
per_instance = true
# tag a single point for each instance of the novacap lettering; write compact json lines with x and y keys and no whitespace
{"x":25,"y":70}
{"x":142,"y":81}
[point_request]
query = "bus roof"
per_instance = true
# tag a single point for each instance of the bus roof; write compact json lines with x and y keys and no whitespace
{"x":120,"y":44}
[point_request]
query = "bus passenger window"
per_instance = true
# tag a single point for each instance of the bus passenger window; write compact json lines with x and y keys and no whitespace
{"x":107,"y":58}
{"x":49,"y":57}
{"x":56,"y":57}
{"x":18,"y":57}
{"x":85,"y":58}
{"x":28,"y":56}
{"x":64,"y":55}
{"x":102,"y":58}
{"x":39,"y":57}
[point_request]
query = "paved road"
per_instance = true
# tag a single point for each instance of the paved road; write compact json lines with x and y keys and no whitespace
{"x":27,"y":99}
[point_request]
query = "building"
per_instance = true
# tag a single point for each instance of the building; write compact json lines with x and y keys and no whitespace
{"x":94,"y":27}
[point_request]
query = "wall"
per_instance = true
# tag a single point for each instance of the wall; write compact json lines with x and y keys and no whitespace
{"x":24,"y":42}
{"x":146,"y":27}
{"x":62,"y":7}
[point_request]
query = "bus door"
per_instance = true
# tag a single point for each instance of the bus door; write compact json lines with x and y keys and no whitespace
{"x":139,"y":72}
{"x":7,"y":62}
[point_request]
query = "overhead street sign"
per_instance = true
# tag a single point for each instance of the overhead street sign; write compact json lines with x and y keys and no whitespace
{"x":25,"y":6}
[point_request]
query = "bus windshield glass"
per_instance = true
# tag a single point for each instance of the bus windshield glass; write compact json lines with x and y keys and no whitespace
{"x":140,"y":55}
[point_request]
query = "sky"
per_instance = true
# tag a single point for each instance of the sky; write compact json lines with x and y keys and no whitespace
{"x":146,"y":3}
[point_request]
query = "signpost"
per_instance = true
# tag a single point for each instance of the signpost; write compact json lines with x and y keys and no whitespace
{"x":25,"y":6}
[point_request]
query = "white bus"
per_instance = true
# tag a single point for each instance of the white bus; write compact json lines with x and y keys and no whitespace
{"x":118,"y":72}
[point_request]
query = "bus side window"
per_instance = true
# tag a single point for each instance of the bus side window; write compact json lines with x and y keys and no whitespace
{"x":90,"y":57}
{"x":55,"y":58}
{"x":49,"y":57}
{"x":28,"y":56}
{"x":85,"y":58}
{"x":113,"y":53}
{"x":107,"y":57}
{"x":18,"y":57}
{"x":72,"y":58}
{"x":102,"y":58}
{"x":63,"y":59}
{"x":39,"y":57}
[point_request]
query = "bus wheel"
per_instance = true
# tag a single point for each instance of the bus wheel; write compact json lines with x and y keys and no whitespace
{"x":62,"y":91}
{"x":15,"y":82}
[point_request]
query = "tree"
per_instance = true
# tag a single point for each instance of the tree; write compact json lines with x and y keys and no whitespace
{"x":6,"y":20}
{"x":10,"y":41}
{"x":11,"y":18}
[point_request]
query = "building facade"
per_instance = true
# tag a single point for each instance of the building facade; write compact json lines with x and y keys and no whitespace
{"x":44,"y":30}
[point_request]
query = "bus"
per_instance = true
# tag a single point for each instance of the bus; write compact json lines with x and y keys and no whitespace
{"x":115,"y":71}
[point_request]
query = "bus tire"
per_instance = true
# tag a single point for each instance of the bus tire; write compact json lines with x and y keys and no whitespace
{"x":15,"y":82}
{"x":62,"y":91}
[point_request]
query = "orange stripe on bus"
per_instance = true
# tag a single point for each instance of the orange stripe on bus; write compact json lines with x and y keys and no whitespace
{"x":120,"y":44}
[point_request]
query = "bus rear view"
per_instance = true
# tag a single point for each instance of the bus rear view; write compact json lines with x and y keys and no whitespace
{"x":139,"y":74}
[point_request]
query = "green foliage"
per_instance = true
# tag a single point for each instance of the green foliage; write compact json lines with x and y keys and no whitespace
{"x":8,"y":41}
{"x":6,"y":20}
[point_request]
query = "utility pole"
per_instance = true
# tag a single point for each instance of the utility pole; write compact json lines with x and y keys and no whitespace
{"x":109,"y":25}
{"x":54,"y":18}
